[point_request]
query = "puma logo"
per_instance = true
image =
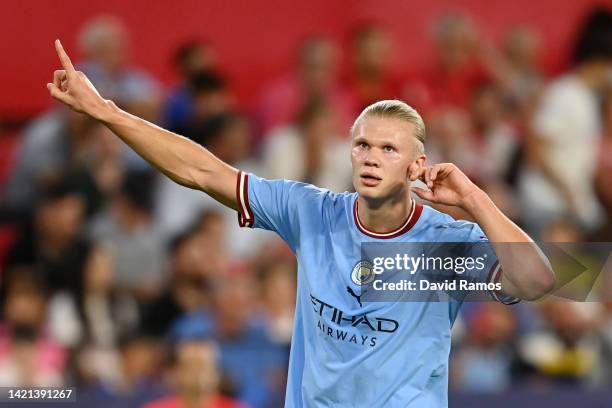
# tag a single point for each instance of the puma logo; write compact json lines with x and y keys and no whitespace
{"x":352,"y":293}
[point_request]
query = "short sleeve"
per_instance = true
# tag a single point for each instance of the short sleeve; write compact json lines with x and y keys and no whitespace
{"x":274,"y":205}
{"x":479,"y":246}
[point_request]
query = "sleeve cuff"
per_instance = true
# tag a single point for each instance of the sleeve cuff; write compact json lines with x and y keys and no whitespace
{"x":246,"y":217}
{"x":495,"y":277}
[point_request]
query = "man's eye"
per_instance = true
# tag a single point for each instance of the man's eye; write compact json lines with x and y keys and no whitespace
{"x":388,"y":149}
{"x":363,"y":145}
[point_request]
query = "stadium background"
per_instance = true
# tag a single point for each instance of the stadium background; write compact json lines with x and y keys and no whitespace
{"x":107,"y":268}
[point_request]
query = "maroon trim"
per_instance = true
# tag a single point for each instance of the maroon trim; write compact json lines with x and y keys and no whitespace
{"x":491,"y":271}
{"x":418,"y":209}
{"x":498,"y":279}
{"x":243,"y":219}
{"x":238,"y":200}
{"x":247,"y":202}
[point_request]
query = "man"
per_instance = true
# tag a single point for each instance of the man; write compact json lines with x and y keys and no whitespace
{"x":406,"y":366}
{"x":195,"y":377}
{"x":105,"y":44}
{"x":558,"y":182}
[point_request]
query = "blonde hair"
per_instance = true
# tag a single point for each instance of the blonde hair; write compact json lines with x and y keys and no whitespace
{"x":395,"y":109}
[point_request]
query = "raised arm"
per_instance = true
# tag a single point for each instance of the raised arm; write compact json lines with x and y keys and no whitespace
{"x":526,"y":275}
{"x":184,"y":161}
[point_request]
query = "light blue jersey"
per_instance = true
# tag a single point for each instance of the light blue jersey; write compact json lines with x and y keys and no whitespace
{"x":345,"y":353}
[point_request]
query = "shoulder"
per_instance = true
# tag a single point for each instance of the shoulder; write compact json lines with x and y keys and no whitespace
{"x":446,"y":228}
{"x":321,"y":200}
{"x":294,"y":189}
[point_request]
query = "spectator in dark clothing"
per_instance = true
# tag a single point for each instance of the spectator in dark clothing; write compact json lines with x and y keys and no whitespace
{"x":52,"y":243}
{"x":205,"y":94}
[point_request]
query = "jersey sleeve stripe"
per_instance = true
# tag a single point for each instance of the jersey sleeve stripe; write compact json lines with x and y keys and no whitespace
{"x":495,"y":276}
{"x":245,"y":215}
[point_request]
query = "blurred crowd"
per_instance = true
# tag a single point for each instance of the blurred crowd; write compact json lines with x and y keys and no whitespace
{"x":141,"y":292}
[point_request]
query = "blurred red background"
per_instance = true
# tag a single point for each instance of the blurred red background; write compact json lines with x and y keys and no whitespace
{"x":246,"y":35}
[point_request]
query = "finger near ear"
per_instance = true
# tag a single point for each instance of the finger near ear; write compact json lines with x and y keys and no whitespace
{"x":421,"y":173}
{"x":434,"y":172}
{"x":424,"y":194}
{"x":428,"y":176}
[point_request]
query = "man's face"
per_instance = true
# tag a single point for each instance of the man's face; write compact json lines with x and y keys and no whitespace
{"x":373,"y":53}
{"x":196,"y":371}
{"x":383,"y":150}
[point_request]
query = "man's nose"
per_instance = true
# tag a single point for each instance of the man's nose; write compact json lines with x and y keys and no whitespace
{"x":371,"y":160}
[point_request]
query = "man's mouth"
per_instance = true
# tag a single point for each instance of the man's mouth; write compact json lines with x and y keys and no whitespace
{"x":370,"y":180}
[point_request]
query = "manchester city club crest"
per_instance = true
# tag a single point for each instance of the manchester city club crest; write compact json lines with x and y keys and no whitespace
{"x":362,"y":273}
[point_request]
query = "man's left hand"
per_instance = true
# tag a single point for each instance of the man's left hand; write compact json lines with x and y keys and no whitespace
{"x":447,"y":184}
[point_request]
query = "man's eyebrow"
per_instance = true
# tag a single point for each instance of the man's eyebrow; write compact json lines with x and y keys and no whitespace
{"x":386,"y":142}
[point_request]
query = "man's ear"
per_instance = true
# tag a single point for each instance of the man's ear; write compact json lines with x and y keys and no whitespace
{"x":418,"y":163}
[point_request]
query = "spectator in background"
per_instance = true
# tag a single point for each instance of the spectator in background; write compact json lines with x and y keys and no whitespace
{"x":51,"y":146}
{"x":496,"y":138}
{"x":207,"y":96}
{"x":603,"y":175}
{"x":316,"y":75}
{"x":94,"y":321}
{"x":194,"y":377}
{"x":310,"y":150}
{"x":452,"y":140}
{"x":29,"y":356}
{"x":254,"y":365}
{"x":53,"y":243}
{"x":197,"y":257}
{"x":104,"y":42}
{"x":370,"y":78}
{"x":519,"y":76}
{"x":483,"y":363}
{"x":562,"y":353}
{"x":138,"y":379}
{"x":498,"y":146}
{"x":456,"y":71}
{"x":603,"y":375}
{"x":227,"y":135}
{"x":190,"y":59}
{"x":566,"y":129}
{"x":128,"y":232}
{"x":194,"y":56}
{"x":277,"y":277}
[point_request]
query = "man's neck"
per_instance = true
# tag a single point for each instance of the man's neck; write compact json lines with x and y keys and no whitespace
{"x":384,"y":216}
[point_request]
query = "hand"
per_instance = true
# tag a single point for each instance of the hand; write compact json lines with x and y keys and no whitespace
{"x":448,"y":185}
{"x":72,"y":87}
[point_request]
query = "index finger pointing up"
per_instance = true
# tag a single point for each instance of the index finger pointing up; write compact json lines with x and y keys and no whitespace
{"x":64,"y":58}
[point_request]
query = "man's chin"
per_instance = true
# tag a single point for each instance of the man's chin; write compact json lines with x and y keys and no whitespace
{"x":369,"y":192}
